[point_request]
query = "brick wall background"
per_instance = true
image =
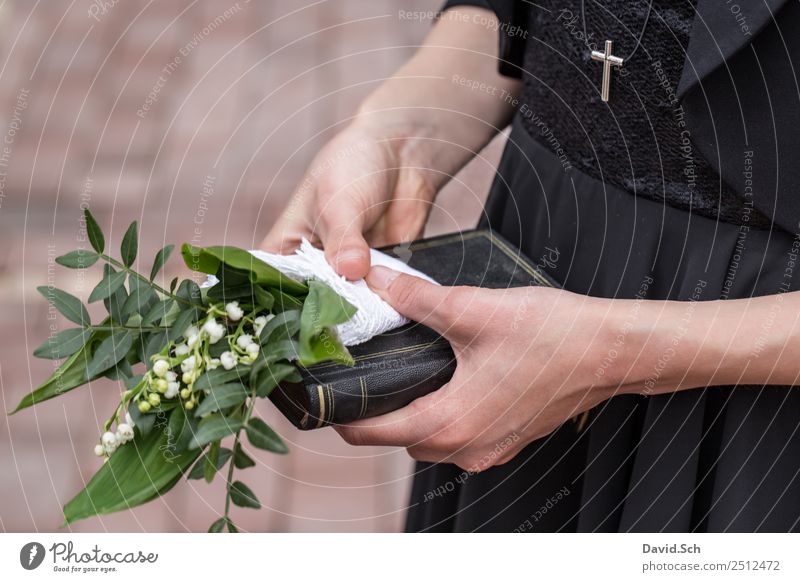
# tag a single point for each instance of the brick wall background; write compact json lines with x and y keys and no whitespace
{"x":251,"y":90}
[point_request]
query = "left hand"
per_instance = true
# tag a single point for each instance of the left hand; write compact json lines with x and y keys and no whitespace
{"x":527,"y":361}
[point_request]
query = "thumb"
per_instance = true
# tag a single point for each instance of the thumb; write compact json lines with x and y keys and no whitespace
{"x":341,"y":232}
{"x":414,"y":298}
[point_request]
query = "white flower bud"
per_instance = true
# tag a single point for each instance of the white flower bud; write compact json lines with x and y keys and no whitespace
{"x":171,"y":376}
{"x":188,"y":365}
{"x":228,"y":360}
{"x":160,"y":368}
{"x":181,"y":350}
{"x":244,"y":340}
{"x":129,"y":419}
{"x":172,"y":390}
{"x":260,"y":322}
{"x":190,"y":331}
{"x":99,"y":450}
{"x":124,"y":433}
{"x":213,"y":363}
{"x":233,"y":310}
{"x":214,"y":329}
{"x":192,"y":341}
{"x":109,"y":440}
{"x":252,"y":350}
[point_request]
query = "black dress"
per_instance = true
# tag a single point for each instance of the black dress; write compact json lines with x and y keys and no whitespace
{"x":631,"y":209}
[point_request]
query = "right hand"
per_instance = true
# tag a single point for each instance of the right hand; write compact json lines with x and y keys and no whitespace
{"x":363,"y":189}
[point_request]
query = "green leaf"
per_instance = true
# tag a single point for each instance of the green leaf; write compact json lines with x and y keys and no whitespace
{"x":130,"y":244}
{"x":144,"y":422}
{"x":272,"y":375}
{"x":111,"y":350}
{"x":218,"y":525}
{"x":80,"y":259}
{"x":263,"y":437}
{"x":140,"y":300}
{"x":212,"y":428}
{"x":199,"y":468}
{"x":136,"y":473}
{"x":231,"y":527}
{"x":284,"y":302}
{"x":69,"y":305}
{"x":162,"y":257}
{"x":108,"y":285}
{"x":287,"y":322}
{"x":243,"y":496}
{"x":63,"y":344}
{"x":158,"y":311}
{"x":94,"y":232}
{"x":241,"y":460}
{"x":115,"y":302}
{"x":323,"y":309}
{"x":181,"y":324}
{"x":222,"y":397}
{"x":214,"y":378}
{"x":265,"y":300}
{"x":182,"y":428}
{"x":208,"y":260}
{"x":210,"y":465}
{"x":68,"y":376}
{"x":282,"y":350}
{"x":189,"y":291}
{"x":155,"y":343}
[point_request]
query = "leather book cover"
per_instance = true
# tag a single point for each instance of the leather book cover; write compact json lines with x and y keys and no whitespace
{"x":396,"y":367}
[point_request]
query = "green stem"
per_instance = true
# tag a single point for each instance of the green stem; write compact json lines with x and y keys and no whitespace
{"x":134,"y":327}
{"x":236,"y":441}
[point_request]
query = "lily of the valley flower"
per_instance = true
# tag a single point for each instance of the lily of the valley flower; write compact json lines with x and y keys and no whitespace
{"x":124,"y":433}
{"x":188,"y":365}
{"x":260,"y":322}
{"x":214,"y":329}
{"x":234,"y":312}
{"x":228,"y":360}
{"x":181,"y":350}
{"x":109,"y":442}
{"x":160,"y":368}
{"x":244,"y":340}
{"x":172,"y":389}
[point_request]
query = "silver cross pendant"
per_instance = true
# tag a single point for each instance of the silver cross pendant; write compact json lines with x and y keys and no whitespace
{"x":608,"y":61}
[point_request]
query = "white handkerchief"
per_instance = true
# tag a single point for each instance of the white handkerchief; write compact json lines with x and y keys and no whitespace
{"x":374,"y":315}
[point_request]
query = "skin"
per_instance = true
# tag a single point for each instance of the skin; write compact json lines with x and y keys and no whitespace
{"x":528,"y":359}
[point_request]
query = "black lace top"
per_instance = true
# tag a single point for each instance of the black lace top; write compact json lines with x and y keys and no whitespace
{"x":637,"y":141}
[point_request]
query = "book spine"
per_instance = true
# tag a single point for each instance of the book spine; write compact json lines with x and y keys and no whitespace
{"x":370,"y":389}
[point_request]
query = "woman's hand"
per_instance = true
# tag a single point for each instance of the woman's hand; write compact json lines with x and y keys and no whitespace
{"x":529,"y":359}
{"x":527,"y":362}
{"x":374,"y":183}
{"x":365,"y":187}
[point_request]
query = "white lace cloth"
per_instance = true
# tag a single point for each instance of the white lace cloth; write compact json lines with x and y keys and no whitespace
{"x":374,"y":315}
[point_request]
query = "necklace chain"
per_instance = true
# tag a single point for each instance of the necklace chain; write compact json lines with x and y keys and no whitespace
{"x":641,"y":34}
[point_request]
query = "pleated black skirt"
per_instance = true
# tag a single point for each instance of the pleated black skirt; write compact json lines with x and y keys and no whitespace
{"x":713,"y":459}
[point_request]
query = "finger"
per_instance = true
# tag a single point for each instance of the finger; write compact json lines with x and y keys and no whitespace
{"x":284,"y":237}
{"x":341,"y":227}
{"x":415,"y":298}
{"x":405,"y":427}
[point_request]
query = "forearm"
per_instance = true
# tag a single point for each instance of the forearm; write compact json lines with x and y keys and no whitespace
{"x":448,"y":100}
{"x":676,"y":345}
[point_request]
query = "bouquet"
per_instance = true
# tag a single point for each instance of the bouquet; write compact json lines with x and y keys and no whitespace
{"x":191,"y":363}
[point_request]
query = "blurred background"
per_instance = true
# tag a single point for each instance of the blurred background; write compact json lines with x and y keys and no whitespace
{"x":197,"y":118}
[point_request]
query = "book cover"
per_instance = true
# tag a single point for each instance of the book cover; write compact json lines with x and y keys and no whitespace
{"x":396,"y":367}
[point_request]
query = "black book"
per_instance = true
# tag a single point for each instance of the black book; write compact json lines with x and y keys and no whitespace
{"x":396,"y":367}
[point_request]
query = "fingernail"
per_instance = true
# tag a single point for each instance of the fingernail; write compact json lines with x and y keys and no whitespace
{"x":381,"y":277}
